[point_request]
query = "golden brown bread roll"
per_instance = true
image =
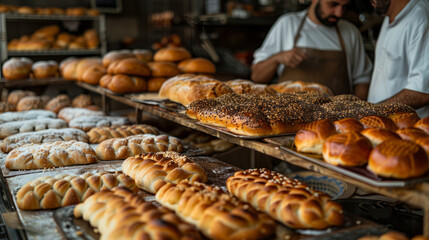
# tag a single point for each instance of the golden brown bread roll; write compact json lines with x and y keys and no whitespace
{"x":57,"y":103}
{"x":63,"y":40}
{"x":411,"y":133}
{"x":378,"y":122}
{"x":44,"y":69}
{"x":154,"y":84}
{"x":123,"y":83}
{"x":379,"y":135}
{"x":50,"y":155}
{"x":216,"y":214}
{"x":120,"y":214}
{"x":424,"y":143}
{"x":93,"y":74}
{"x":152,"y":170}
{"x":171,"y":54}
{"x":348,"y":125}
{"x":51,"y":192}
{"x":287,"y":200}
{"x":423,"y":124}
{"x":122,"y":148}
{"x":144,"y":55}
{"x":347,"y":149}
{"x":17,"y":68}
{"x":398,"y":159}
{"x":310,"y":139}
{"x":99,"y":134}
{"x":163,"y":69}
{"x":46,"y":32}
{"x":197,"y":65}
{"x":405,"y":120}
{"x":116,"y":55}
{"x":16,"y":95}
{"x":129,"y":66}
{"x":29,"y":103}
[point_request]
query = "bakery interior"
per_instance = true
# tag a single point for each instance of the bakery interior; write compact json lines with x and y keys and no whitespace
{"x":112,"y":92}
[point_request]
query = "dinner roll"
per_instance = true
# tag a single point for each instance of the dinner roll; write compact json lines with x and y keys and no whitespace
{"x":45,"y":69}
{"x":378,"y":135}
{"x":404,"y":120}
{"x":348,"y":125}
{"x":347,"y":149}
{"x":398,"y":159}
{"x":423,"y":124}
{"x":310,"y":139}
{"x":378,"y":122}
{"x":17,"y":68}
{"x":171,"y":54}
{"x":197,"y":65}
{"x":411,"y":133}
{"x":163,"y":69}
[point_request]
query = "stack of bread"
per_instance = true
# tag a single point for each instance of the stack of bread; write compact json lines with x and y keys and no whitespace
{"x":24,"y":68}
{"x":88,"y":70}
{"x":71,"y":11}
{"x":388,"y":150}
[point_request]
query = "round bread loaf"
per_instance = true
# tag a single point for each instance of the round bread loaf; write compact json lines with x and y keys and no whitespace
{"x":347,"y":149}
{"x":378,"y":135}
{"x":404,"y":120}
{"x":129,"y":66}
{"x":163,"y":69}
{"x":123,"y":84}
{"x":17,"y":68}
{"x":154,"y":84}
{"x":144,"y":55}
{"x":348,"y":125}
{"x":171,"y":54}
{"x":30,"y":102}
{"x":378,"y":122}
{"x":197,"y":65}
{"x":45,"y":69}
{"x":116,"y":55}
{"x":310,"y":139}
{"x":411,"y":133}
{"x":93,"y":74}
{"x":398,"y":159}
{"x":17,"y":95}
{"x":82,"y":100}
{"x":423,"y":124}
{"x":57,"y":103}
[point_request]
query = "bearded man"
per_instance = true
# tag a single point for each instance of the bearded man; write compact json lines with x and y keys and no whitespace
{"x":315,"y":45}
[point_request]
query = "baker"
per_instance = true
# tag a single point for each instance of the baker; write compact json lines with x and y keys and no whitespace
{"x":401,"y":69}
{"x":315,"y":45}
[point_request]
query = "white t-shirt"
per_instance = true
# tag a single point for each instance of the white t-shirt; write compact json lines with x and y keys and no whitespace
{"x":316,"y":36}
{"x":402,"y":55}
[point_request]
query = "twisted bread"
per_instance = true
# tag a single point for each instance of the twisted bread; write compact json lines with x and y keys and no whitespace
{"x":69,"y":113}
{"x":26,"y":115}
{"x":287,"y":200}
{"x":152,"y":170}
{"x":122,"y":148}
{"x":32,"y":125}
{"x":99,"y":134}
{"x":50,"y":192}
{"x":49,"y":155}
{"x":119,"y":214}
{"x":217,"y":214}
{"x":86,"y":123}
{"x":44,"y":136}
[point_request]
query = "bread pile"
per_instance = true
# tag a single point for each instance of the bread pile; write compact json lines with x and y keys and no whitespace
{"x":374,"y":141}
{"x":281,"y":113}
{"x":51,"y":37}
{"x":88,"y":70}
{"x":71,"y":11}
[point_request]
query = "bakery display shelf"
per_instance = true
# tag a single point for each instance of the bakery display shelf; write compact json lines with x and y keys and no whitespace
{"x":18,"y":16}
{"x":54,"y":52}
{"x":32,"y":82}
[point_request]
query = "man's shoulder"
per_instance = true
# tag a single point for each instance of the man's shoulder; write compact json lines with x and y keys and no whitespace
{"x":346,"y":26}
{"x":291,"y":16}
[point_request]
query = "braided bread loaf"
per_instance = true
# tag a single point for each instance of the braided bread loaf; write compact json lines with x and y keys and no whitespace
{"x":287,"y":200}
{"x":50,"y":192}
{"x":121,"y":148}
{"x":32,"y":125}
{"x":152,"y":170}
{"x":217,"y":214}
{"x":119,"y":214}
{"x":49,"y":155}
{"x":99,"y":134}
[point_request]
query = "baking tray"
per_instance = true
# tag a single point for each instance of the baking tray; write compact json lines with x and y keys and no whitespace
{"x":359,"y":173}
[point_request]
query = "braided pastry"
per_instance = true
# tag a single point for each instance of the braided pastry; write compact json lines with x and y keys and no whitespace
{"x":119,"y":214}
{"x":32,"y":125}
{"x":121,"y":148}
{"x":217,"y":214}
{"x":99,"y":134}
{"x":152,"y":170}
{"x":50,"y":155}
{"x":50,"y":192}
{"x":287,"y":200}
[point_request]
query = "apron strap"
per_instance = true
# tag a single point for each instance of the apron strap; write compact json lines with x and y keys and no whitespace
{"x":298,"y":33}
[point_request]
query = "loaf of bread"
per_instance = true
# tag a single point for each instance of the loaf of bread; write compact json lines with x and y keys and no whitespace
{"x":87,"y":123}
{"x":82,"y":101}
{"x":216,"y":214}
{"x":378,"y":122}
{"x":423,"y":124}
{"x":17,"y":68}
{"x":197,"y":65}
{"x":378,"y":135}
{"x":16,"y":95}
{"x":144,"y":55}
{"x":187,"y":88}
{"x":152,"y":170}
{"x":49,"y":192}
{"x":300,"y":86}
{"x":29,"y":103}
{"x":43,"y":136}
{"x":129,"y":66}
{"x":154,"y":84}
{"x":116,"y":55}
{"x":44,"y":69}
{"x":120,"y":83}
{"x":32,"y":125}
{"x":26,"y":115}
{"x":120,"y":214}
{"x":404,"y":120}
{"x":241,"y":86}
{"x":122,"y":148}
{"x":171,"y":54}
{"x":163,"y":69}
{"x":310,"y":139}
{"x":50,"y":155}
{"x":348,"y":125}
{"x":99,"y":134}
{"x":411,"y":133}
{"x":70,"y":113}
{"x":287,"y":200}
{"x":59,"y":102}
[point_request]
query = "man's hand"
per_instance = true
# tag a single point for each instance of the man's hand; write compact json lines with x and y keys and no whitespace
{"x":291,"y":58}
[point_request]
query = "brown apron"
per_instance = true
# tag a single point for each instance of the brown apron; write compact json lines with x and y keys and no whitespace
{"x":325,"y":67}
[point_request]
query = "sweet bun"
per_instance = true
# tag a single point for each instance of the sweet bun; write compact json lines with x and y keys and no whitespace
{"x":171,"y":54}
{"x":197,"y":65}
{"x":123,"y":84}
{"x":348,"y":125}
{"x":129,"y":66}
{"x":378,"y":135}
{"x":116,"y":55}
{"x":144,"y":55}
{"x":17,"y":68}
{"x":423,"y":124}
{"x":163,"y":69}
{"x":378,"y":122}
{"x":45,"y":69}
{"x":310,"y":139}
{"x":411,"y":133}
{"x":154,"y":84}
{"x":347,"y":149}
{"x":404,"y":120}
{"x":399,"y":159}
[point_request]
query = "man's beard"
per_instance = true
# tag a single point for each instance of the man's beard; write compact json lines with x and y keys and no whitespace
{"x":322,"y":20}
{"x":381,"y":6}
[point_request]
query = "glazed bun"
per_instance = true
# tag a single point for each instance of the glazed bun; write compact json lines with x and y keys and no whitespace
{"x":348,"y":125}
{"x":347,"y":149}
{"x":378,"y":122}
{"x":163,"y":69}
{"x":378,"y":135}
{"x":404,"y":120}
{"x":411,"y":134}
{"x":399,"y":159}
{"x":423,"y":124}
{"x":197,"y":65}
{"x":310,"y":139}
{"x":171,"y":54}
